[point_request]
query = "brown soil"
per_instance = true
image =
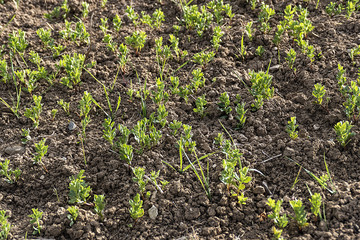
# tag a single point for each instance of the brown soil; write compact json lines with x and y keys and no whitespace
{"x":184,"y":210}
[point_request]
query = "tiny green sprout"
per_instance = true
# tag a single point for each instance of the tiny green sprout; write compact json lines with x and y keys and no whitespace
{"x":219,"y":139}
{"x":5,"y":225}
{"x":53,"y":113}
{"x":117,"y":23}
{"x":261,"y":87}
{"x":343,"y":132}
{"x":228,"y":11}
{"x":341,"y":78}
{"x":157,"y":18}
{"x":164,"y":184}
{"x":300,"y":214}
{"x":132,"y":15}
{"x":161,"y":115}
{"x":354,"y":52}
{"x":242,"y":50}
{"x":99,"y":202}
{"x":103,"y":3}
{"x":319,"y":92}
{"x":41,"y":150}
{"x":203,"y":58}
{"x":249,"y":31}
{"x":264,"y":17}
{"x":200,"y":106}
{"x":4,"y":75}
{"x":85,"y":10}
{"x":259,"y":51}
{"x":280,"y":221}
{"x":333,"y":10}
{"x":79,"y":190}
{"x":73,"y":214}
{"x":17,"y":42}
{"x":34,"y":112}
{"x":35,"y":220}
{"x":175,"y":126}
{"x":277,"y":233}
{"x":65,"y":106}
{"x":136,"y":40}
{"x":315,"y":201}
{"x":103,"y":25}
{"x":253,"y":4}
{"x":350,"y":7}
{"x":240,"y":197}
{"x":291,"y":128}
{"x":55,"y":13}
{"x":11,"y":176}
{"x":126,"y":152}
{"x":25,"y":133}
{"x":216,"y":40}
{"x":240,"y":114}
{"x":136,"y":210}
{"x":109,"y":131}
{"x":139,"y":173}
{"x":290,"y":59}
{"x":65,"y":8}
{"x":177,"y":29}
{"x":73,"y":66}
{"x":224,"y":103}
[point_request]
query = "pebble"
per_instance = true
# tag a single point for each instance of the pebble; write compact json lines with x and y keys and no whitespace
{"x":71,"y":126}
{"x":153,"y":212}
{"x":15,"y":149}
{"x":316,"y":127}
{"x":259,"y":190}
{"x":42,"y":177}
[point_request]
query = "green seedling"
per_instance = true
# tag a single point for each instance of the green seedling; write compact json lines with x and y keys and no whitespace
{"x":73,"y":214}
{"x":219,"y":139}
{"x":85,"y":10}
{"x":216,"y":39}
{"x":197,"y":20}
{"x":146,"y":134}
{"x":242,"y":50}
{"x":109,"y":131}
{"x":261,"y":87}
{"x":203,"y":58}
{"x":25,"y":133}
{"x":242,"y":179}
{"x":300,"y":213}
{"x":177,"y":29}
{"x":350,"y":7}
{"x":290,"y":59}
{"x":123,"y":57}
{"x":260,"y":51}
{"x":240,"y":114}
{"x":103,"y":3}
{"x":277,"y":233}
{"x":17,"y":42}
{"x":79,"y":189}
{"x":124,"y":132}
{"x":161,"y":115}
{"x":249,"y":31}
{"x":36,"y":220}
{"x":99,"y":202}
{"x":354,"y":52}
{"x":315,"y":201}
{"x":73,"y":67}
{"x":159,"y":95}
{"x":136,"y":210}
{"x":139,"y":173}
{"x":186,"y":139}
{"x":341,"y":78}
{"x":53,"y":113}
{"x":200,"y":106}
{"x":291,"y":128}
{"x":11,"y":176}
{"x":253,"y":4}
{"x":104,"y":27}
{"x":133,"y":16}
{"x":157,"y":18}
{"x":117,"y":23}
{"x":332,"y":9}
{"x":175,"y":126}
{"x":136,"y":41}
{"x":280,"y":221}
{"x":45,"y":37}
{"x":224,"y":103}
{"x":5,"y":226}
{"x":65,"y":106}
{"x":55,"y":13}
{"x":264,"y":16}
{"x":343,"y":132}
{"x":28,"y":78}
{"x":228,"y":12}
{"x":34,"y":112}
{"x":217,"y":7}
{"x":319,"y":92}
{"x":65,"y":8}
{"x":175,"y":82}
{"x":198,"y":80}
{"x":4,"y":75}
{"x":77,"y":35}
{"x":41,"y":150}
{"x":126,"y":152}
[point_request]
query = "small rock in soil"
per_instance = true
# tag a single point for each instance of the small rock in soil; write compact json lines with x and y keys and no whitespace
{"x":192,"y":213}
{"x":15,"y":149}
{"x":153,"y":212}
{"x":71,"y":126}
{"x":289,"y":152}
{"x":259,"y":190}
